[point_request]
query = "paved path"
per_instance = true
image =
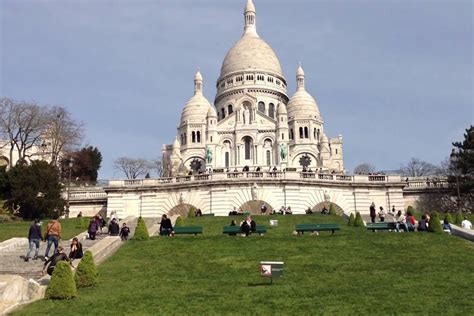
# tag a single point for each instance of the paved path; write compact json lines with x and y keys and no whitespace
{"x":12,"y":262}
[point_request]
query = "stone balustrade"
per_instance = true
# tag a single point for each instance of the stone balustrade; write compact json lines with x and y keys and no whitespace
{"x":305,"y":176}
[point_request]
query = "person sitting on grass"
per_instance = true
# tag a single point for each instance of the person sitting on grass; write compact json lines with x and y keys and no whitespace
{"x":400,"y":220}
{"x":124,"y":232}
{"x":411,"y":221}
{"x":114,"y":228}
{"x":423,"y":224}
{"x":324,"y":210}
{"x":466,"y":224}
{"x":446,"y":226}
{"x":288,"y":211}
{"x":166,"y":228}
{"x":309,"y":211}
{"x":76,"y":249}
{"x":198,"y":212}
{"x":53,"y":261}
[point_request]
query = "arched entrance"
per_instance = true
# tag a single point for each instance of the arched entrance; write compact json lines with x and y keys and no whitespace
{"x":318,"y":207}
{"x":253,"y":207}
{"x":183,"y":210}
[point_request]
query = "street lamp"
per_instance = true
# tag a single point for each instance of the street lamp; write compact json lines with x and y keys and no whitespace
{"x":454,"y":157}
{"x":70,"y":164}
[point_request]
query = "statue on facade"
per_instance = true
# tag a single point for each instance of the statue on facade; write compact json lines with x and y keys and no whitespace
{"x":327,"y":197}
{"x":246,"y":115}
{"x":254,"y":192}
{"x":209,"y":155}
{"x":283,"y":151}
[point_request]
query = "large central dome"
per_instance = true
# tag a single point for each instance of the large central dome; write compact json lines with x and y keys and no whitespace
{"x":250,"y":52}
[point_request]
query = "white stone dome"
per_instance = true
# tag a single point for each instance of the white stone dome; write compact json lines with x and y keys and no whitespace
{"x":196,"y":109}
{"x":212,"y":112}
{"x":251,"y":52}
{"x":303,"y":105}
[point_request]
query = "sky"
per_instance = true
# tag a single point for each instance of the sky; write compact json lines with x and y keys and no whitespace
{"x":394,"y":77}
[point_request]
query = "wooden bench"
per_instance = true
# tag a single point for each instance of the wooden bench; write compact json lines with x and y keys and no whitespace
{"x":301,"y":228}
{"x":234,"y":230}
{"x":380,"y":226}
{"x":181,"y":230}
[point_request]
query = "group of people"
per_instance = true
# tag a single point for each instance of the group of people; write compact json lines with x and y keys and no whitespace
{"x":407,"y":222}
{"x":247,"y":226}
{"x":52,"y":236}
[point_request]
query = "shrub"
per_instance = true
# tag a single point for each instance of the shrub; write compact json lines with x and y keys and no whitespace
{"x":62,"y":285}
{"x":80,"y":223}
{"x":332,"y":209}
{"x":434,"y":225}
{"x":179,"y":221}
{"x":141,"y":232}
{"x":449,"y":218}
{"x":411,"y":209}
{"x":86,"y":272}
{"x":459,"y":217}
{"x":358,"y":222}
{"x":191,"y":212}
{"x":351,"y":220}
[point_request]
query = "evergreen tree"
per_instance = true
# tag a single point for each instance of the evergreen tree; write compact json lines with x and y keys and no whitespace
{"x":86,"y":272}
{"x":332,"y":209}
{"x":141,"y":232}
{"x":62,"y":285}
{"x":462,"y":170}
{"x":358,"y":222}
{"x":351,"y":220}
{"x":459,"y":218}
{"x":449,"y":218}
{"x":435,"y":224}
{"x":36,"y":189}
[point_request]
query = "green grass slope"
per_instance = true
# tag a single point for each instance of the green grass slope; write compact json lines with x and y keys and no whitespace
{"x":353,"y":272}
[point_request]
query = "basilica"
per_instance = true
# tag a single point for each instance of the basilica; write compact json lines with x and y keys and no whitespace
{"x":253,"y":124}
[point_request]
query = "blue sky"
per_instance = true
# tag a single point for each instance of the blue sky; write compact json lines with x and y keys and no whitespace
{"x":395,"y":78}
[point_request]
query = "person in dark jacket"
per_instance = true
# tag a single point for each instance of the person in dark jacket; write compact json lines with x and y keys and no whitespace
{"x":124,"y":232}
{"x":114,"y":228}
{"x":373,"y":214}
{"x":34,"y":237}
{"x":166,"y":228}
{"x":76,"y":249}
{"x":53,"y":261}
{"x":93,"y":228}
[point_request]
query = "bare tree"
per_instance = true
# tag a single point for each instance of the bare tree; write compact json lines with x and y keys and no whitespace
{"x":132,"y":168}
{"x":22,"y":124}
{"x":364,"y":168}
{"x":62,"y":134}
{"x":157,"y":166}
{"x":419,"y":168}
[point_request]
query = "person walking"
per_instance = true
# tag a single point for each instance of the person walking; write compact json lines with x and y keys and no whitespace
{"x":166,"y":227}
{"x":52,"y":236}
{"x":373,"y":213}
{"x":34,"y":237}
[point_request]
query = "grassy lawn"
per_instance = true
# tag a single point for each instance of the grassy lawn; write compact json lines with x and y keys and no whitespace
{"x":70,"y":228}
{"x":353,"y":272}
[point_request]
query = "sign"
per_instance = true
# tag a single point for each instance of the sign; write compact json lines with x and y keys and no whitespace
{"x":271,"y":269}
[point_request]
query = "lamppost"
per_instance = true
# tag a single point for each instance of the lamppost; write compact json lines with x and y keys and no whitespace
{"x":70,"y":164}
{"x":454,"y":157}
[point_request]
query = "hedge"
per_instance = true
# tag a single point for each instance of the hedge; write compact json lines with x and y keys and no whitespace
{"x":86,"y":272}
{"x":62,"y":285}
{"x":141,"y":232}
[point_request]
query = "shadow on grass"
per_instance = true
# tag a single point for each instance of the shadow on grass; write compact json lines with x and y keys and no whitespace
{"x":253,"y":284}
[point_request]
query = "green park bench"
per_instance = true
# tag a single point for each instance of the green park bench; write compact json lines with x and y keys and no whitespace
{"x":381,"y":226}
{"x":181,"y":230}
{"x":234,"y":230}
{"x":301,"y":228}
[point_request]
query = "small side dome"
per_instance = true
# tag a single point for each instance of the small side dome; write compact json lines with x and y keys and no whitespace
{"x":281,"y":109}
{"x":176,"y":143}
{"x":212,"y":112}
{"x":324,"y":138}
{"x":197,"y":107}
{"x":302,"y":104}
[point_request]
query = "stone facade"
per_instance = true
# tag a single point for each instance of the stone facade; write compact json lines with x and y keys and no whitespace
{"x":253,"y":122}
